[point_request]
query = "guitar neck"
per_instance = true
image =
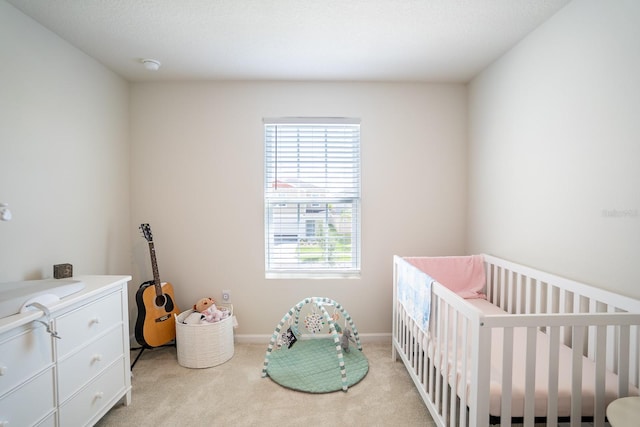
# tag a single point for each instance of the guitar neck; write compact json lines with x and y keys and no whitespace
{"x":154,"y":266}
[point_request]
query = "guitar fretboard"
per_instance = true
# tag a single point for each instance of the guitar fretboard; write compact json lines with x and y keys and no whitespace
{"x":154,"y":266}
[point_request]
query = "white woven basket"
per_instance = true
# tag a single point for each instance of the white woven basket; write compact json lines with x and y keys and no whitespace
{"x":204,"y":345}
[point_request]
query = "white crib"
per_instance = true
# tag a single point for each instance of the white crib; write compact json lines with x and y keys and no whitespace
{"x":540,"y":348}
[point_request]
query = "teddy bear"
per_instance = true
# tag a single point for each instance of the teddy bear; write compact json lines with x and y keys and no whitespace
{"x":208,"y":310}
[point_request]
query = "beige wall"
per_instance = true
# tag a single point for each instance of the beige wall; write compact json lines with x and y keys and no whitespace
{"x":64,"y":156}
{"x":555,"y":148}
{"x":197,"y":178}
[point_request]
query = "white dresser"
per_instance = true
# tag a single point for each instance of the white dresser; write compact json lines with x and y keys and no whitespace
{"x":75,"y":379}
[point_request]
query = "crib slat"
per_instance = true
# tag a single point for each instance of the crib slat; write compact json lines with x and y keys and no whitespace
{"x":465,"y":366}
{"x":507,"y":367}
{"x":600,"y":354}
{"x":551,"y":296}
{"x":511,"y":291}
{"x":530,"y":377}
{"x":445,"y":368}
{"x":539,"y":293}
{"x":623,"y":366}
{"x":432,"y":366}
{"x":529,"y":293}
{"x":576,"y":377}
{"x":503,"y":288}
{"x":494,"y":284}
{"x":421,"y":375}
{"x":481,"y":349}
{"x":488,"y":270}
{"x":439,"y":351}
{"x":519,"y":294}
{"x":562,"y":301}
{"x":415,"y":343}
{"x":576,"y":303}
{"x":415,"y":348}
{"x":591,"y":350}
{"x":612,"y":356}
{"x":553,"y":333}
{"x":634,"y":356}
{"x":454,"y":386}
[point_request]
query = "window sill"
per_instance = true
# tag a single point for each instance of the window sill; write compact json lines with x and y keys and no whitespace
{"x":312,"y":275}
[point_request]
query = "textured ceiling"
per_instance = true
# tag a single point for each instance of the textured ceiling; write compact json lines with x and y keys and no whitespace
{"x":372,"y":40}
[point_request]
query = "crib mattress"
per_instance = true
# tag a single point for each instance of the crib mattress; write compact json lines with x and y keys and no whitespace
{"x":541,"y":374}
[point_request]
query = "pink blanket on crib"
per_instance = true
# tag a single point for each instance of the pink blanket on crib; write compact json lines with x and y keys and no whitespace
{"x":464,"y":275}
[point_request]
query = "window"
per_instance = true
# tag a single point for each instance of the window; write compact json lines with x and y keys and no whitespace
{"x":312,"y":197}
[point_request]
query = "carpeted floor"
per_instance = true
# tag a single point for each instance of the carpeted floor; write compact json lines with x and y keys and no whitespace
{"x":234,"y":394}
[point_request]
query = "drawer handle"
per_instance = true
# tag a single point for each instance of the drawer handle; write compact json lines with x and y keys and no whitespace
{"x":96,"y":358}
{"x":3,"y":371}
{"x":95,"y":320}
{"x":99,"y":395}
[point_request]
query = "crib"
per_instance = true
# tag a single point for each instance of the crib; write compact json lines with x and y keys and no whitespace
{"x":522,"y":347}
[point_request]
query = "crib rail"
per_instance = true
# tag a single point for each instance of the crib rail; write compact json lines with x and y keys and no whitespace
{"x":519,"y":289}
{"x":449,"y":363}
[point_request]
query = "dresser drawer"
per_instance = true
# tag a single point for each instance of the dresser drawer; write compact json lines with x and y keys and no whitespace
{"x":23,"y":353}
{"x":30,"y":403}
{"x":87,"y":322}
{"x":79,"y":368}
{"x":93,"y":398}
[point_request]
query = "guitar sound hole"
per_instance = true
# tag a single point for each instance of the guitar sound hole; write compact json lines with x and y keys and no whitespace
{"x":161,"y":300}
{"x":165,"y":301}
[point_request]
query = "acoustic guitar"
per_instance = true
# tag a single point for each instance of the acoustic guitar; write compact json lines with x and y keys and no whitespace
{"x":155,"y":325}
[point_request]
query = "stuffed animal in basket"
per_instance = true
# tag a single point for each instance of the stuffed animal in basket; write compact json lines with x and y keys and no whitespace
{"x":208,"y":310}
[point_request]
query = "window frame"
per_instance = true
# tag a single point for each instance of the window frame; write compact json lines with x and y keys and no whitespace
{"x":325,"y":201}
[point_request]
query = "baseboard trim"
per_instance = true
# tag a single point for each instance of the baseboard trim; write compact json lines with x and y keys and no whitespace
{"x":264,"y":339}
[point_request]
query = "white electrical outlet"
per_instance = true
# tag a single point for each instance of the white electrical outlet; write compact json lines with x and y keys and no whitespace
{"x":226,"y":296}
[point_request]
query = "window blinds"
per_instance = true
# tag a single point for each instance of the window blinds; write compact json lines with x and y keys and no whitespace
{"x":312,"y":195}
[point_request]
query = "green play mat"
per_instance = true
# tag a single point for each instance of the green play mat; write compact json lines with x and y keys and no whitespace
{"x":312,"y":366}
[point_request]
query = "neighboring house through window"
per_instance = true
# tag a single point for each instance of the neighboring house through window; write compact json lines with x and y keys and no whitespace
{"x":312,"y":197}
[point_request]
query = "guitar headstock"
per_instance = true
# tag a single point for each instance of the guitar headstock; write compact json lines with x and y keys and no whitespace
{"x":146,"y":232}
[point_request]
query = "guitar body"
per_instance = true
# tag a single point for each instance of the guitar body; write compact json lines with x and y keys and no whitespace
{"x":155,"y":324}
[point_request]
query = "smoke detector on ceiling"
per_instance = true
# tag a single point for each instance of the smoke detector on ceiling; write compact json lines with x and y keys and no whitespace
{"x":151,"y":64}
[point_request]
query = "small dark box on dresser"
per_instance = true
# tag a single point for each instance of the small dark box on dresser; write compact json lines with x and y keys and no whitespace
{"x":62,"y":271}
